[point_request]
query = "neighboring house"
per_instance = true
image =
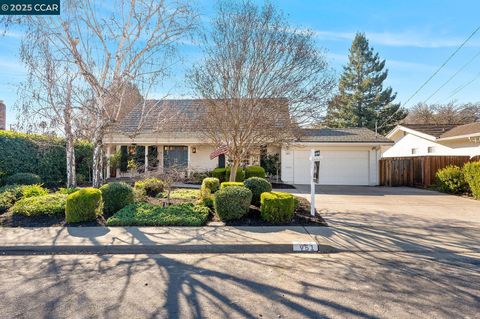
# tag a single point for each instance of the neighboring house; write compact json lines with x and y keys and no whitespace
{"x":171,"y":132}
{"x":434,"y":140}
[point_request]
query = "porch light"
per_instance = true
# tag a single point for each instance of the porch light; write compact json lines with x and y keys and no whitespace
{"x":194,"y":149}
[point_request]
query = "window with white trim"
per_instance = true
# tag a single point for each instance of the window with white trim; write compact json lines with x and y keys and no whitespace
{"x":414,"y":151}
{"x":431,"y":149}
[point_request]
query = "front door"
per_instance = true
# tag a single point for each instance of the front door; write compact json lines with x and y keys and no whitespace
{"x":175,"y":156}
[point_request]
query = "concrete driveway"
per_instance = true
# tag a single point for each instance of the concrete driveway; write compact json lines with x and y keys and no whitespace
{"x":396,"y":219}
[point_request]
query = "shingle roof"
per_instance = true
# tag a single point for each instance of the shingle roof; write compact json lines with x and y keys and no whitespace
{"x":176,"y":116}
{"x":162,"y":116}
{"x":342,"y":135}
{"x":466,"y":129}
{"x":435,"y":130}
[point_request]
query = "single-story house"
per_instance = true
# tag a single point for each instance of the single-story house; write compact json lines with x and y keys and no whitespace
{"x":349,"y":156}
{"x":434,"y":140}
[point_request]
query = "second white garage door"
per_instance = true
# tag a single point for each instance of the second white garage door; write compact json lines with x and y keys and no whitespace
{"x":336,"y":167}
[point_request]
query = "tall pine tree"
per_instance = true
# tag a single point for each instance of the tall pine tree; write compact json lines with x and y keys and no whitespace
{"x":362,"y":101}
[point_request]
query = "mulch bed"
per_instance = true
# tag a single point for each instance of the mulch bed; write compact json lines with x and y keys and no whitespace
{"x":14,"y":220}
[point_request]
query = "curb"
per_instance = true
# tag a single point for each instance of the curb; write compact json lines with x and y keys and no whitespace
{"x":295,"y":247}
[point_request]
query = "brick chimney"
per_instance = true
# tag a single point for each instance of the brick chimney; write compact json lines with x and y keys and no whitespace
{"x":3,"y":116}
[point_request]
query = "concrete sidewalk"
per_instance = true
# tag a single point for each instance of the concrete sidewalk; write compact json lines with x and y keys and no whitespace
{"x":159,"y":240}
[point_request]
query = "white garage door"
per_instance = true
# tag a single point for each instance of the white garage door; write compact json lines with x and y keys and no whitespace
{"x":336,"y":167}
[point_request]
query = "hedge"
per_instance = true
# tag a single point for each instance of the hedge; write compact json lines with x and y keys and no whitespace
{"x":472,"y":176}
{"x":23,"y":179}
{"x":232,"y":202}
{"x":254,"y":171}
{"x":229,"y":184}
{"x":219,"y":173}
{"x":41,"y":155}
{"x":238,"y":178}
{"x":277,"y":207}
{"x":258,"y":186}
{"x":52,"y":204}
{"x":83,"y":205}
{"x":115,"y":196}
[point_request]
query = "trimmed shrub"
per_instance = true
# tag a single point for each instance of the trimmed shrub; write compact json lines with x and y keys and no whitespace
{"x":115,"y":196}
{"x":258,"y":186}
{"x":83,"y":205}
{"x":42,"y":155}
{"x":33,"y":190}
{"x":277,"y":207}
{"x":206,"y":197}
{"x":471,"y":172}
{"x":11,"y":193}
{"x":152,"y":186}
{"x":23,"y":179}
{"x":219,"y":173}
{"x":238,"y":178}
{"x":232,"y":202}
{"x":145,"y":214}
{"x":451,"y":180}
{"x":254,"y":171}
{"x":212,"y":183}
{"x":52,"y":204}
{"x":8,"y":196}
{"x":230,"y":184}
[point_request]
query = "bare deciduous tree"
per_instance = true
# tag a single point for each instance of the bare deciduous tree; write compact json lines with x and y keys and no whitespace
{"x":451,"y":113}
{"x":49,"y":96}
{"x":122,"y":41}
{"x":261,"y":79}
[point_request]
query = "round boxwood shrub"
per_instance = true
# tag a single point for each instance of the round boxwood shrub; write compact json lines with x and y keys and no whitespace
{"x":151,"y":186}
{"x":219,"y":173}
{"x":472,"y":176}
{"x":52,"y":204}
{"x":23,"y":179}
{"x":238,"y":178}
{"x":451,"y":180}
{"x":230,"y":184}
{"x":115,"y":196}
{"x":258,"y":186}
{"x":212,"y":183}
{"x":232,"y":202}
{"x":83,"y":205}
{"x":277,"y":207}
{"x":254,"y":171}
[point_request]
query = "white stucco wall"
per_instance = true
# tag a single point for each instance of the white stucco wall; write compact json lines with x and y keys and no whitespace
{"x":403,"y":147}
{"x":200,"y":160}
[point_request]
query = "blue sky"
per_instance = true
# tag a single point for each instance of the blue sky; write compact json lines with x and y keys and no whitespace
{"x":415,"y":38}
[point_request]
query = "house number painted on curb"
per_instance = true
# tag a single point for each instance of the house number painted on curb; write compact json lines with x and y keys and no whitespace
{"x":305,"y":246}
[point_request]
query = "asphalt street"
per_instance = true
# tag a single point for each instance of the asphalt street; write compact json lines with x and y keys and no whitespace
{"x":342,"y":285}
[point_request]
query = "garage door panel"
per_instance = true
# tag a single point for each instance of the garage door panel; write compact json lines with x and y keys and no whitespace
{"x":336,"y":167}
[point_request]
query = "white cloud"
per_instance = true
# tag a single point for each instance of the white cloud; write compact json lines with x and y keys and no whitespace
{"x":400,"y":39}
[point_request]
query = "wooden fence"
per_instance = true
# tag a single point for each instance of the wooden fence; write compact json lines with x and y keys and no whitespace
{"x":416,"y":171}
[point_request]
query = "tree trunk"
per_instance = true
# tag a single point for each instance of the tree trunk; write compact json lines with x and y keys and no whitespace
{"x":97,"y":177}
{"x":70,"y":143}
{"x":233,"y":169}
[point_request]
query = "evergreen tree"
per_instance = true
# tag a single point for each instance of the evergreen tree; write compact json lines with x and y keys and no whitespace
{"x":362,"y":101}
